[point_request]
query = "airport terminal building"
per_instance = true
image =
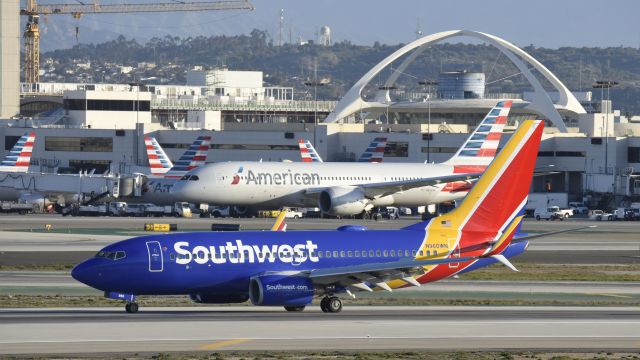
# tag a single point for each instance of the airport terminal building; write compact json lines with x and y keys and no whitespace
{"x":588,"y":147}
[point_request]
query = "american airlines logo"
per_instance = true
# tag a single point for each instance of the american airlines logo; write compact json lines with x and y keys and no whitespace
{"x":279,"y":178}
{"x":240,"y":253}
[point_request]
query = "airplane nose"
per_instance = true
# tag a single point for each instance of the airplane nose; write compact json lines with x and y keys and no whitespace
{"x":82,"y":273}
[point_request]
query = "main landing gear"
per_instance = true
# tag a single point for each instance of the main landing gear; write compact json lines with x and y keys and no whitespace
{"x":131,"y":307}
{"x":331,"y":304}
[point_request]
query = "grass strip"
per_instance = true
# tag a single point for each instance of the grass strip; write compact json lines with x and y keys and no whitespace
{"x":355,"y":355}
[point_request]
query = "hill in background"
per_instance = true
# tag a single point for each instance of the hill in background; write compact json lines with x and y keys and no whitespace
{"x":344,"y":63}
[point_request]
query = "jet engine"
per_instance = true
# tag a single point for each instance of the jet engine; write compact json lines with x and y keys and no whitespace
{"x":281,"y":290}
{"x":342,"y":201}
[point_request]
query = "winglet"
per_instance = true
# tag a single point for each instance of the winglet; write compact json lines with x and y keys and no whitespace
{"x":19,"y":157}
{"x":502,"y":259}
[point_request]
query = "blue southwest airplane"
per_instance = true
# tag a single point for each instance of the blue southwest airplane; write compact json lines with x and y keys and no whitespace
{"x":291,"y":268}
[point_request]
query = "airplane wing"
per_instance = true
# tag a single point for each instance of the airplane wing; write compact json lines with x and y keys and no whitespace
{"x":377,"y":190}
{"x":377,"y":273}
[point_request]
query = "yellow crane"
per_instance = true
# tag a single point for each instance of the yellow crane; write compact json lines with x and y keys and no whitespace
{"x":33,"y":11}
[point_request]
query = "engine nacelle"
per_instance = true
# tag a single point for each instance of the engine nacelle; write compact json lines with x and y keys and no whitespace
{"x":280,"y":290}
{"x":213,"y":298}
{"x":342,"y":201}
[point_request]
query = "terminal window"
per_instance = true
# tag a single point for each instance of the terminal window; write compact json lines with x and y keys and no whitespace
{"x":84,"y":144}
{"x":397,"y":149}
{"x":633,"y":154}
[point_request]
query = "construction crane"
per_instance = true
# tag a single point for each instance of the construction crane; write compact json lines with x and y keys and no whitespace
{"x":33,"y":11}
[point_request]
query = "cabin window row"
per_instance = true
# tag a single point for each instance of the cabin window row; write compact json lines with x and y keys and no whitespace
{"x":319,"y":254}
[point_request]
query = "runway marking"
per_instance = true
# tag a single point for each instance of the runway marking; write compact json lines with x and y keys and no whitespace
{"x":220,"y":344}
{"x":611,"y":295}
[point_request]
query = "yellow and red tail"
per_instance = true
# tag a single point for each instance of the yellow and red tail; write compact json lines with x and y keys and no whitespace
{"x":486,"y":220}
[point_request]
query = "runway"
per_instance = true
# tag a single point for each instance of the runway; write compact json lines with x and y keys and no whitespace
{"x":40,"y":331}
{"x":60,"y":282}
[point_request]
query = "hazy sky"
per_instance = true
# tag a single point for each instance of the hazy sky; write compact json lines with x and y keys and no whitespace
{"x":546,"y":23}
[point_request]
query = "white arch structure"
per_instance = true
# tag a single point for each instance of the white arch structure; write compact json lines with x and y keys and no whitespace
{"x":541,"y":103}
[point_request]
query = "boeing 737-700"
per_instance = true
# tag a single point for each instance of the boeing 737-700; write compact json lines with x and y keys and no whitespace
{"x":346,"y":188}
{"x":290,"y":268}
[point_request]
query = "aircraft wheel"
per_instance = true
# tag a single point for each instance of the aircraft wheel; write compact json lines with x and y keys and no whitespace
{"x":294,"y":308}
{"x":324,"y":304}
{"x":131,"y":308}
{"x":334,"y":304}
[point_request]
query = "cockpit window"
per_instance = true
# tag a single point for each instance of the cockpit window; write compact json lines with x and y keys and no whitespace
{"x":186,"y":177}
{"x":112,"y":255}
{"x":194,"y":178}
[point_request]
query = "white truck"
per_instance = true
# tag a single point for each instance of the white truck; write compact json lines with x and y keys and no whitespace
{"x":579,"y":208}
{"x":600,"y":215}
{"x":20,"y":208}
{"x":552,"y":213}
{"x":116,"y":208}
{"x":545,"y":200}
{"x":293,"y":214}
{"x":182,"y":209}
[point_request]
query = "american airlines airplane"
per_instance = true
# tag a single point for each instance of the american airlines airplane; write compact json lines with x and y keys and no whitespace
{"x":343,"y":189}
{"x":290,"y":269}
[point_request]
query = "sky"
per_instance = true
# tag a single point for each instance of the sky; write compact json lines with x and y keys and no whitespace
{"x":542,"y":23}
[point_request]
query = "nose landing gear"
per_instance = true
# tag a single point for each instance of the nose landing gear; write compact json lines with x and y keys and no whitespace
{"x":131,"y":308}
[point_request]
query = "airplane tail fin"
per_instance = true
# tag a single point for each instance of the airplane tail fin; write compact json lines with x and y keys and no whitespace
{"x":280,"y":224}
{"x":490,"y":214}
{"x":375,"y":151}
{"x":481,"y":146}
{"x":195,"y":156}
{"x":159,"y":162}
{"x":307,"y":152}
{"x":19,"y":156}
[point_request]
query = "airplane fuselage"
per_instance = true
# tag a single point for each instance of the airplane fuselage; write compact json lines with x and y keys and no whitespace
{"x":224,"y":263}
{"x":271,"y":184}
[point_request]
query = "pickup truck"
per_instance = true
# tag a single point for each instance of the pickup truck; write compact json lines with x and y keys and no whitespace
{"x":293,"y":214}
{"x":552,"y":213}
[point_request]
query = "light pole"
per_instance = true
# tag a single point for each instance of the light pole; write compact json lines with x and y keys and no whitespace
{"x":605,"y":84}
{"x":428,"y":84}
{"x":136,"y":107}
{"x":315,"y":83}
